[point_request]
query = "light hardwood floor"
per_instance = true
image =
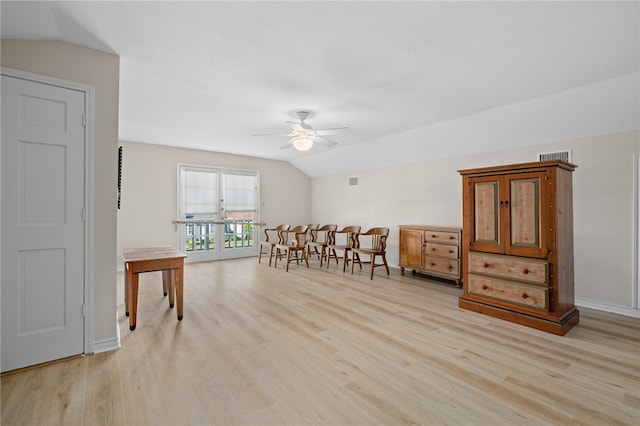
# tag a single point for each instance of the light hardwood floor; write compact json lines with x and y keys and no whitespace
{"x":259,"y":346}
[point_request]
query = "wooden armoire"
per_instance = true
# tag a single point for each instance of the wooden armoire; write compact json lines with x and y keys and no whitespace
{"x":518,"y":244}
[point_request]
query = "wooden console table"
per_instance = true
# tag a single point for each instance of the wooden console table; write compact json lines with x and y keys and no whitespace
{"x":148,"y":259}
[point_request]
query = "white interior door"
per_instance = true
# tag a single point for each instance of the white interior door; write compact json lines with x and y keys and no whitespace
{"x":43,"y":201}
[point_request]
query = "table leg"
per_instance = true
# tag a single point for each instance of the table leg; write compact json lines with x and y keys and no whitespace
{"x":179,"y":284}
{"x":165,"y":281}
{"x":171,"y":274}
{"x":126,"y":288}
{"x":133,"y":298}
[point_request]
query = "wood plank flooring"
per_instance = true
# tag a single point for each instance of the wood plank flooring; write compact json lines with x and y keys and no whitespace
{"x":259,"y":346}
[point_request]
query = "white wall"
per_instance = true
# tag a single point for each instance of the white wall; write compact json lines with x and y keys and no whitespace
{"x":148,"y":203}
{"x":102,"y":71}
{"x":430,"y":193}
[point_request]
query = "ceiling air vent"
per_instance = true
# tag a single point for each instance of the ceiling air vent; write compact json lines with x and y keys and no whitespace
{"x":558,"y":155}
{"x":352,"y":182}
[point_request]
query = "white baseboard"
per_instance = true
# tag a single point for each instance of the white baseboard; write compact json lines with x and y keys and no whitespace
{"x":108,"y":344}
{"x":615,"y":309}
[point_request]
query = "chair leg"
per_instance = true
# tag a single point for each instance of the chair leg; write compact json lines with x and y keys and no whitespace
{"x":353,"y":257}
{"x":384,"y":259}
{"x":288,"y":259}
{"x":373,"y":264}
{"x":260,"y":254}
{"x":275,"y":264}
{"x":271,"y":255}
{"x":305,"y":256}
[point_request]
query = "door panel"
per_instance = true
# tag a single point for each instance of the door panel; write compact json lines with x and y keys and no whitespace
{"x":411,"y":243}
{"x":525,"y":223}
{"x":42,"y":222}
{"x":485,"y":214}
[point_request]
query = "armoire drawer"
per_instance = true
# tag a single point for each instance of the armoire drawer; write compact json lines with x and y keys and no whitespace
{"x":509,"y":291}
{"x":520,"y":268}
{"x":442,"y":266}
{"x":442,"y":250}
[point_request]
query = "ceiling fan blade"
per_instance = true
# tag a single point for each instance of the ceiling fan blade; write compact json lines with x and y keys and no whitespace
{"x":286,"y":145}
{"x":274,"y":134}
{"x":332,"y":131}
{"x":327,"y":142}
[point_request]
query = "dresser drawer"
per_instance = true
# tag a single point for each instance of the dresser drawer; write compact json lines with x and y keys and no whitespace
{"x":509,"y":291}
{"x":444,"y":250}
{"x":442,"y":266}
{"x":520,"y":268}
{"x":442,"y":236}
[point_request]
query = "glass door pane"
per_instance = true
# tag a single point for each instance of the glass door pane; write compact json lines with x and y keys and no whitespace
{"x":240,"y":207}
{"x":198,"y":201}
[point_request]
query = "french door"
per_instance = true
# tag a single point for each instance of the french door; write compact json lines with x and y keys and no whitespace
{"x":220,"y":207}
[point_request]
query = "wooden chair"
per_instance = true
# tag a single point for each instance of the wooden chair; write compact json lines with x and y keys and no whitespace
{"x":378,"y":247}
{"x":312,"y":229}
{"x":343,"y":242}
{"x":293,"y":241}
{"x":272,"y":236}
{"x":321,"y":237}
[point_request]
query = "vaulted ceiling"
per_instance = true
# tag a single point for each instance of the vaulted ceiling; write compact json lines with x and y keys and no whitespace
{"x":414,"y":80}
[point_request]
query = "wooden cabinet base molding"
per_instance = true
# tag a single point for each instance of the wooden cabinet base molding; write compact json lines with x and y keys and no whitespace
{"x":559,"y":327}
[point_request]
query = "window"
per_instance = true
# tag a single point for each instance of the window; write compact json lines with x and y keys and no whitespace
{"x":220,"y":202}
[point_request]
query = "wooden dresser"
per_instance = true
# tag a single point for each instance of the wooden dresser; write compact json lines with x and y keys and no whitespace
{"x":518,"y":244}
{"x":432,"y":250}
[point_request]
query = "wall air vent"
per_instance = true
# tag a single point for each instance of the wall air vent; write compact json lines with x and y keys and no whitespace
{"x":558,"y":155}
{"x":352,"y":182}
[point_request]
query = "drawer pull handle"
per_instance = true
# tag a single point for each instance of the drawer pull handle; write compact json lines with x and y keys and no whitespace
{"x":525,"y":271}
{"x":524,"y":295}
{"x":485,"y":265}
{"x":451,"y":237}
{"x":484,"y":286}
{"x":433,"y":264}
{"x":450,"y":251}
{"x":450,"y":267}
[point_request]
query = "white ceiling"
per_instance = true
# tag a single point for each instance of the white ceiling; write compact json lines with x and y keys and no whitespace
{"x":413,"y":80}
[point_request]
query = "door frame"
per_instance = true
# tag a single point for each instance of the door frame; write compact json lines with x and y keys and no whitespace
{"x":89,"y":178}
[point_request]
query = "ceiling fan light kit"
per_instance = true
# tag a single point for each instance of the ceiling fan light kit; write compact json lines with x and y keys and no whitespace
{"x":302,"y":142}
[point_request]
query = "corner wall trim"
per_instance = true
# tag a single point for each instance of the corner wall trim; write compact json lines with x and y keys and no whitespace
{"x":107,"y":345}
{"x":614,"y":309}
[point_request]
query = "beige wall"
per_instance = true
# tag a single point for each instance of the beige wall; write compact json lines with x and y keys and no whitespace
{"x":149,"y":191}
{"x":100,"y":70}
{"x":430,"y":192}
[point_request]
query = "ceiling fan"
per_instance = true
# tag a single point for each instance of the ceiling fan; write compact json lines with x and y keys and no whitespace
{"x":303,"y":135}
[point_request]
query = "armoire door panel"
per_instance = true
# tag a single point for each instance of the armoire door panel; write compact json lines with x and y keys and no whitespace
{"x":485,"y":214}
{"x":525,"y":220}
